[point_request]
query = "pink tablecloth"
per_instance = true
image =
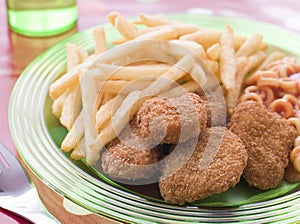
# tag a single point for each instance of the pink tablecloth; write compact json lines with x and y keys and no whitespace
{"x":17,"y":51}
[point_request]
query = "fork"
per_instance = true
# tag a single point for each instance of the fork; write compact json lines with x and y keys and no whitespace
{"x":17,"y":193}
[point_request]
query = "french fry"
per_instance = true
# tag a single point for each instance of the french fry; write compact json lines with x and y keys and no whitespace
{"x":113,"y":86}
{"x":262,"y":47}
{"x":119,"y":55}
{"x":256,"y":59}
{"x":180,"y":28}
{"x":119,"y":41}
{"x":250,"y":45}
{"x":190,"y":86}
{"x":128,"y":73}
{"x":117,"y":86}
{"x":164,"y":82}
{"x":179,"y":90}
{"x":79,"y":150}
{"x":71,"y":107}
{"x":194,"y":47}
{"x":160,"y":34}
{"x":183,"y":29}
{"x":72,"y":57}
{"x":242,"y":70}
{"x":234,"y":93}
{"x":71,"y":78}
{"x":183,"y":79}
{"x":107,"y":97}
{"x":66,"y":81}
{"x":111,"y":17}
{"x":146,"y":62}
{"x":238,"y":41}
{"x":100,"y":97}
{"x":205,"y":37}
{"x":152,"y":20}
{"x":75,"y":56}
{"x":272,"y":57}
{"x":137,"y":84}
{"x":244,"y":65}
{"x":100,"y":40}
{"x":125,"y":112}
{"x":214,"y":67}
{"x":198,"y":74}
{"x":74,"y":135}
{"x":58,"y":105}
{"x":213,"y":52}
{"x":125,"y":28}
{"x":89,"y":96}
{"x":105,"y":111}
{"x":227,"y":58}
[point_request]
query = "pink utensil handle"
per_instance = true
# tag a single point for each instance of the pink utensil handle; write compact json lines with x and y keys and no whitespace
{"x":17,"y":219}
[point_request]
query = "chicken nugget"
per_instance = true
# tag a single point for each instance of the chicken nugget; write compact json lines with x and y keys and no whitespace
{"x":216,"y":164}
{"x":129,"y":156}
{"x":172,"y":120}
{"x":268,"y":139}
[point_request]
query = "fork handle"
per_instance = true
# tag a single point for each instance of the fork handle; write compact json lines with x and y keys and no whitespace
{"x":16,"y":217}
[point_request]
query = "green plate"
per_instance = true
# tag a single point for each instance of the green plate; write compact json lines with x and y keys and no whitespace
{"x":37,"y":135}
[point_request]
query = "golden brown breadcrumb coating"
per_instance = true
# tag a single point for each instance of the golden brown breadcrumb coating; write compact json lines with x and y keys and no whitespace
{"x":130,"y":157}
{"x":268,"y":139}
{"x":216,"y":109}
{"x":172,"y":120}
{"x":226,"y":157}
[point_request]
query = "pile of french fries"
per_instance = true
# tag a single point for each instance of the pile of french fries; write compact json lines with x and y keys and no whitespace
{"x":101,"y":92}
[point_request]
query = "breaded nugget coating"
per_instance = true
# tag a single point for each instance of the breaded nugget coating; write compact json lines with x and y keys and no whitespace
{"x":129,"y":156}
{"x":193,"y":181}
{"x":216,"y":109}
{"x":170,"y":120}
{"x":268,"y":139}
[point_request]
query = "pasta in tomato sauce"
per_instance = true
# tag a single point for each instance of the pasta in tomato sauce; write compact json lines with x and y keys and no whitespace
{"x":278,"y":86}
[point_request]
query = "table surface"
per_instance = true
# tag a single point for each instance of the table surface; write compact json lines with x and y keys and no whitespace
{"x":17,"y":51}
